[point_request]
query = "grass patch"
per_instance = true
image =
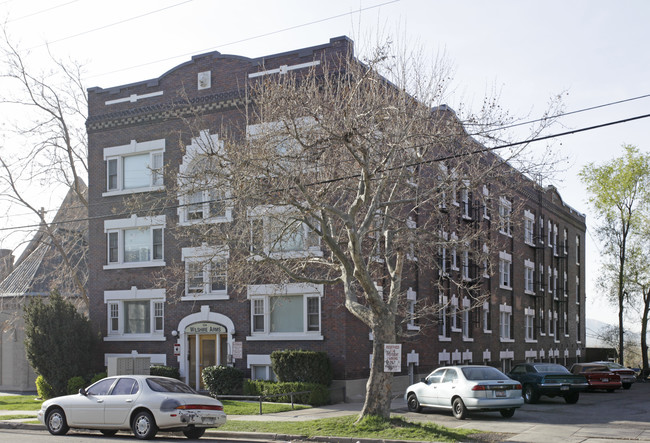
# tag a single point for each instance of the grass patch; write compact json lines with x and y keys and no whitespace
{"x":19,"y":403}
{"x":232,"y":407}
{"x":396,"y":428}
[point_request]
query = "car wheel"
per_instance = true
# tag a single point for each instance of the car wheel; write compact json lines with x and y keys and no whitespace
{"x":56,"y":423}
{"x":413,"y":404}
{"x":458,"y":409}
{"x":530,"y":395}
{"x":572,"y":398}
{"x":627,"y":385}
{"x":507,"y":413}
{"x":144,"y":426}
{"x":108,"y":432}
{"x":194,"y":433}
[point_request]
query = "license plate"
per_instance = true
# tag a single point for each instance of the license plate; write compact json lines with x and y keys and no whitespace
{"x":606,"y":380}
{"x":564,"y":388}
{"x":499,"y":393}
{"x":208,"y":420}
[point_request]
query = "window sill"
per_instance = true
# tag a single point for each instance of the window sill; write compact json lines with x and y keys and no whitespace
{"x":412,"y":328}
{"x":285,"y":337}
{"x":142,"y":264}
{"x":456,"y":330}
{"x":507,"y":288}
{"x":443,"y":338}
{"x":531,"y":340}
{"x":212,"y":220}
{"x":487,"y":331}
{"x":528,"y":292}
{"x":136,"y":337}
{"x":468,"y":339}
{"x":506,"y":340}
{"x":200,"y":297}
{"x":133,"y":191}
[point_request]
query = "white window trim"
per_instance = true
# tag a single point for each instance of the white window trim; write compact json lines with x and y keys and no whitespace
{"x":133,"y":294}
{"x":486,"y":198}
{"x":443,"y":314}
{"x":466,"y":325}
{"x":122,"y":224}
{"x":507,"y":310}
{"x":529,"y":228}
{"x":505,"y":216}
{"x":205,"y":254}
{"x":454,"y":314}
{"x":529,"y":266}
{"x":529,"y":320}
{"x":504,"y":258}
{"x":264,"y":292}
{"x":134,"y":148}
{"x":486,"y":312}
{"x":411,"y":298}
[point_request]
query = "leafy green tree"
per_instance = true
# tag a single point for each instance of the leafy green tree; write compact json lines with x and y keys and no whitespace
{"x":619,"y":192}
{"x":59,"y":341}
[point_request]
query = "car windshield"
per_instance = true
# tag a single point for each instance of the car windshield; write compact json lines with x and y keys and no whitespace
{"x":169,"y":385}
{"x":551,"y":368}
{"x":612,"y":365}
{"x":486,"y":373}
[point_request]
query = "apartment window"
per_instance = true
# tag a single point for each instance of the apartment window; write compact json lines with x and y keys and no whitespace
{"x":135,"y":242}
{"x":541,"y":278}
{"x":466,"y":320}
{"x":542,"y":323}
{"x":555,"y":281}
{"x":262,"y":372}
{"x":577,"y":290}
{"x":206,"y":272}
{"x":555,"y":239}
{"x":549,"y":287}
{"x":465,"y":264}
{"x":486,"y":204}
{"x":565,"y":324}
{"x":529,"y":228}
{"x":550,"y":234}
{"x":551,"y":323}
{"x":135,"y":314}
{"x":465,"y":200}
{"x":505,"y":270}
{"x":136,"y":167}
{"x":453,"y":315}
{"x":280,"y":233}
{"x":577,"y":249}
{"x":442,"y":254}
{"x":443,"y":313}
{"x":487,"y":323}
{"x":565,"y":242}
{"x":411,"y":320}
{"x":541,"y":229}
{"x":505,"y":318}
{"x":505,"y":213}
{"x":285,"y":312}
{"x":529,"y":324}
{"x":529,"y":277}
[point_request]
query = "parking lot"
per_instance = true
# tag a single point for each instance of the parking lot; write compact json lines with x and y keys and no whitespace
{"x":598,"y":416}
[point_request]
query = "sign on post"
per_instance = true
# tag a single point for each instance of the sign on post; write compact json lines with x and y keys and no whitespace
{"x":392,"y":357}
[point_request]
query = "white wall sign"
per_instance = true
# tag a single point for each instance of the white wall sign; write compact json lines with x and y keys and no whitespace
{"x":392,"y":357}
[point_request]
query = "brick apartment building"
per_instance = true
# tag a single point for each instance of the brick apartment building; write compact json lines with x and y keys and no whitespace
{"x":536,"y":308}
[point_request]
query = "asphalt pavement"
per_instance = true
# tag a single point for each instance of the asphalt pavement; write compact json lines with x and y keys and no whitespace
{"x":598,"y":417}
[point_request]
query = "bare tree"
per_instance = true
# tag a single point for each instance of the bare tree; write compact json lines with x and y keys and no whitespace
{"x":345,"y":178}
{"x":45,"y":153}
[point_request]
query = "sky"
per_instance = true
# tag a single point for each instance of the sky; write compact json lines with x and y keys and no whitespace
{"x":592,"y":53}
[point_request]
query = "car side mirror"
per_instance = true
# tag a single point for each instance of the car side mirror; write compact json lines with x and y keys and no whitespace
{"x":424,"y":380}
{"x":83,"y":392}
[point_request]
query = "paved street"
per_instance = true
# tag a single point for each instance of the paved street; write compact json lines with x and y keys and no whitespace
{"x":597,"y":417}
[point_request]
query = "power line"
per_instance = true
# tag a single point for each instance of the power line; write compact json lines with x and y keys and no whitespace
{"x":38,"y":12}
{"x":110,"y":25}
{"x":213,"y":48}
{"x":333,"y":180}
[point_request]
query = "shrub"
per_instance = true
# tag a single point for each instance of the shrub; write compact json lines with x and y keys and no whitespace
{"x":165,"y":371}
{"x":319,"y":395}
{"x":223,"y":380}
{"x":43,"y":388}
{"x":302,"y":366}
{"x":97,"y":377}
{"x":76,"y":383}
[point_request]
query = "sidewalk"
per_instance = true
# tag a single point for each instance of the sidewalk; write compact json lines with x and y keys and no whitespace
{"x":509,"y":431}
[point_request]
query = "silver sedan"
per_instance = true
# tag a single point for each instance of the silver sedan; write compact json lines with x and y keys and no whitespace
{"x":143,"y":404}
{"x":462,"y":389}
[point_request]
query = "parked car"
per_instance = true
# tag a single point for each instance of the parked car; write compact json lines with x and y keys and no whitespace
{"x":143,"y":404}
{"x":464,"y":389}
{"x":628,"y":376}
{"x":549,"y":379}
{"x":598,"y":376}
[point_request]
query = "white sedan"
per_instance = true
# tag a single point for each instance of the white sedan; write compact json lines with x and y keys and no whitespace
{"x":141,"y":403}
{"x":466,"y":388}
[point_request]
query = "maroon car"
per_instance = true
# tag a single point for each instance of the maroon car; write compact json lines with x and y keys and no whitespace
{"x":598,"y":376}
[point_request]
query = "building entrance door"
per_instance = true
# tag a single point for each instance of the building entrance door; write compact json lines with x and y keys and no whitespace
{"x":207,"y":345}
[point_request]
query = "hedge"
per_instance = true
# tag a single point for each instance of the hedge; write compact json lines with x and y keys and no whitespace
{"x":223,"y":380}
{"x":319,"y":395}
{"x":165,"y":371}
{"x":302,"y":366}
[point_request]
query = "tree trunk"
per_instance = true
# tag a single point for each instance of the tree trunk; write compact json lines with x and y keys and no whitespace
{"x":379,"y":386}
{"x":644,"y":330}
